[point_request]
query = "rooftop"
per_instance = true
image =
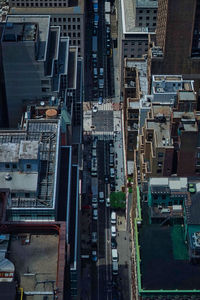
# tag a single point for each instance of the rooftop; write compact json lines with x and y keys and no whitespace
{"x":192,"y":210}
{"x":46,"y":133}
{"x":174,"y":184}
{"x":19,"y":181}
{"x":31,"y":260}
{"x":170,"y":84}
{"x":187,"y":95}
{"x":42,"y":21}
{"x":147,"y":3}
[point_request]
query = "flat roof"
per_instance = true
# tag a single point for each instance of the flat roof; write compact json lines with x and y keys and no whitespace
{"x":31,"y":262}
{"x":162,"y":132}
{"x":19,"y":181}
{"x":147,"y":3}
{"x":187,"y":95}
{"x":47,"y":133}
{"x":164,"y":262}
{"x":43,"y":22}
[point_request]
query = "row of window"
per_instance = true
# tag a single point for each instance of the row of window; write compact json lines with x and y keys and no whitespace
{"x":147,"y":24}
{"x":14,"y":166}
{"x":40,"y":4}
{"x":147,"y":11}
{"x":136,"y":43}
{"x":69,"y":27}
{"x":137,"y":49}
{"x":147,"y":18}
{"x":69,"y":20}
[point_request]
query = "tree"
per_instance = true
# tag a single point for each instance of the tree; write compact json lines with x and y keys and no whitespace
{"x":118,"y":200}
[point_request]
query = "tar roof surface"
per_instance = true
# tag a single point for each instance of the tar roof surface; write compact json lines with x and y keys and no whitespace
{"x":192,"y":211}
{"x":159,"y":268}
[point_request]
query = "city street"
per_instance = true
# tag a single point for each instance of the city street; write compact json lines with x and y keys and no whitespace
{"x":102,"y":121}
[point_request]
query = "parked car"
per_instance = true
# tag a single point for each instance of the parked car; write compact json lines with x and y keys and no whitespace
{"x":94,"y":237}
{"x":94,"y":256}
{"x":95,"y":214}
{"x":113,"y":243}
{"x":108,"y":202}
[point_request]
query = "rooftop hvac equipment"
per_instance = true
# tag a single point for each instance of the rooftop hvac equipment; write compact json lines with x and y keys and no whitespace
{"x":197,"y":242}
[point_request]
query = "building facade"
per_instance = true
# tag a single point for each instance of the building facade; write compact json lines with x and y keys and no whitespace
{"x":180,"y":46}
{"x":70,"y":17}
{"x":146,"y":14}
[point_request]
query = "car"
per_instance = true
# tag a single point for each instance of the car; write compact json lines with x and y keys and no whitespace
{"x":94,"y":256}
{"x":106,"y":179}
{"x":113,"y":231}
{"x":95,"y":214}
{"x":100,"y":100}
{"x":94,"y":237}
{"x":108,"y":202}
{"x":94,"y":202}
{"x":95,"y":109}
{"x":113,"y":243}
{"x":112,"y":187}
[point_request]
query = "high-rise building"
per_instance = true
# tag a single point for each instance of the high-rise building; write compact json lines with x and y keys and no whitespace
{"x":69,"y":15}
{"x":38,"y":64}
{"x":177,"y":35}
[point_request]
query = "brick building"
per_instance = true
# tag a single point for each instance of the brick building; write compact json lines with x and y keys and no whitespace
{"x":177,"y":35}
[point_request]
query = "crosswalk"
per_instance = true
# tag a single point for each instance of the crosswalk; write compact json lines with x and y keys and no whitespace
{"x":104,"y":135}
{"x":105,"y":106}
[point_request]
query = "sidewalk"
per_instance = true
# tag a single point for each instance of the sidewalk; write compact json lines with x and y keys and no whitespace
{"x":125,"y":259}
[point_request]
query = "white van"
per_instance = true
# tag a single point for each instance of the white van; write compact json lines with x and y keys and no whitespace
{"x":113,"y":231}
{"x":113,"y":218}
{"x":112,"y":172}
{"x":95,"y":72}
{"x":94,"y":152}
{"x":94,"y":144}
{"x":115,"y":268}
{"x":101,"y":197}
{"x":111,"y":161}
{"x":114,"y":255}
{"x":101,"y":71}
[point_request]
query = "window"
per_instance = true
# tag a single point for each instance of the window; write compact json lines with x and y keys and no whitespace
{"x":140,"y":18}
{"x":55,"y":19}
{"x":141,"y":11}
{"x":78,"y":34}
{"x":147,"y":18}
{"x":69,"y":27}
{"x":7,"y":166}
{"x":44,"y":82}
{"x":28,"y":166}
{"x":147,"y":24}
{"x":74,"y":27}
{"x":160,"y":154}
{"x":132,"y":43}
{"x":78,"y":27}
{"x":45,"y":89}
{"x":155,"y":197}
{"x":74,"y":34}
{"x":155,"y":11}
{"x":74,"y":42}
{"x":147,"y":11}
{"x":59,"y":20}
{"x":132,"y":55}
{"x":69,"y":19}
{"x":64,"y":19}
{"x":154,"y":24}
{"x":64,"y":27}
{"x":74,"y":19}
{"x":154,"y":18}
{"x":159,"y":171}
{"x":78,"y":19}
{"x":13,"y":195}
{"x":14,"y":166}
{"x":139,"y":43}
{"x":27,"y":195}
{"x":163,"y":197}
